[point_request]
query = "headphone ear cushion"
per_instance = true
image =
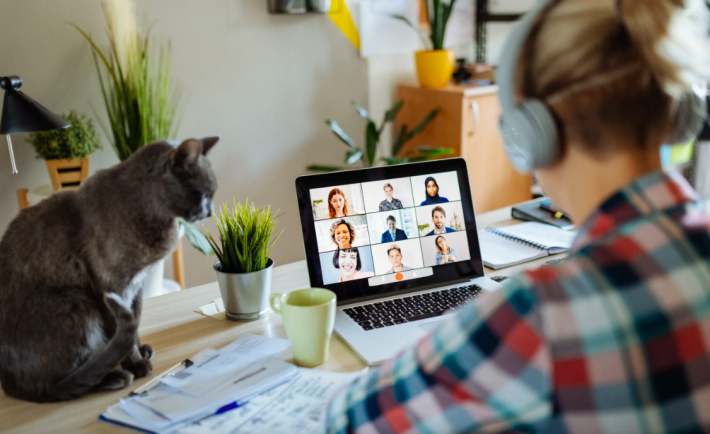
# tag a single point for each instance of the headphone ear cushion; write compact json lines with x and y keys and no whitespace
{"x":689,"y":119}
{"x":530,"y":136}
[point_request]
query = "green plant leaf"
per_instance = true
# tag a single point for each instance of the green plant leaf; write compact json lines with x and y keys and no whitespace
{"x":422,"y":125}
{"x":197,"y":239}
{"x":335,"y":128}
{"x":320,"y":168}
{"x":391,"y":114}
{"x":78,"y":141}
{"x":391,"y":161}
{"x":406,"y":20}
{"x":412,"y":26}
{"x":361,"y":110}
{"x":434,"y":152}
{"x":245,"y":237}
{"x":401,"y":140}
{"x":373,"y":136}
{"x":353,"y":156}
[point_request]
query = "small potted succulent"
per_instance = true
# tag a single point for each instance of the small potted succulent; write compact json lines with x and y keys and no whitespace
{"x":67,"y":151}
{"x":246,"y":237}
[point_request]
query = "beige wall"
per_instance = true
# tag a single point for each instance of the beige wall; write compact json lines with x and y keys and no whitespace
{"x":264,"y":83}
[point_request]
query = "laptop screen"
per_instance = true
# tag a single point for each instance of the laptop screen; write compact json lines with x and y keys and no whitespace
{"x":391,"y":229}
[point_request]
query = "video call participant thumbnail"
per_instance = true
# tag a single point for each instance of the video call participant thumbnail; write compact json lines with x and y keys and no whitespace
{"x":432,"y":192}
{"x":349,"y":263}
{"x":394,"y":254}
{"x":393,"y":234}
{"x":337,"y":204}
{"x":438,"y":217}
{"x":444,"y":253}
{"x":342,"y":233}
{"x":390,"y":203}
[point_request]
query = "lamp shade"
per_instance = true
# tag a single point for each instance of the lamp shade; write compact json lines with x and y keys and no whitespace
{"x":21,"y":114}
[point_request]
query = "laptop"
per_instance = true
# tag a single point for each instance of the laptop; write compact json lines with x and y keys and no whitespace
{"x":398,"y":245}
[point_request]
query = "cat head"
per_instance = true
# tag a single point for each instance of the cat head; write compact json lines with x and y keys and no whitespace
{"x":190,"y":183}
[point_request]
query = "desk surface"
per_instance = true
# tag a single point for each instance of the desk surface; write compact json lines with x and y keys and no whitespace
{"x":176,"y":332}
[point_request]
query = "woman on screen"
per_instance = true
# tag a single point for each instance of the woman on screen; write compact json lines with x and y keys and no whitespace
{"x":444,"y":253}
{"x":432,"y":192}
{"x":337,"y":205}
{"x":342,"y":233}
{"x":349,"y":263}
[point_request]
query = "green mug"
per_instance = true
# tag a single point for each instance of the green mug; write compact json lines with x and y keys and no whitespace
{"x":308,"y":317}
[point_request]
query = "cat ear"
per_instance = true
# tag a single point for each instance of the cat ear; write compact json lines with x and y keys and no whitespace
{"x":208,"y":143}
{"x":187,"y":153}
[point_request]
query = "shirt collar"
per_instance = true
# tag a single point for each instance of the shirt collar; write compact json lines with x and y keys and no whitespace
{"x":646,"y":195}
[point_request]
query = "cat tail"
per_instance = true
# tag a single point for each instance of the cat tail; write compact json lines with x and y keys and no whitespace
{"x":89,"y":375}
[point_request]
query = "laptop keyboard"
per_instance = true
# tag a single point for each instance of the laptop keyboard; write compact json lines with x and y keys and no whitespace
{"x":412,"y":308}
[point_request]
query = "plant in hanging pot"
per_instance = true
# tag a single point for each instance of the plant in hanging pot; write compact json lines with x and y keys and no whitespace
{"x":245,"y":265}
{"x":435,"y":65}
{"x":67,"y":151}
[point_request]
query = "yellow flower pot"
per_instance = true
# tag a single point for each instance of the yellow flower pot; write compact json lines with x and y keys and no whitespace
{"x":434,"y":67}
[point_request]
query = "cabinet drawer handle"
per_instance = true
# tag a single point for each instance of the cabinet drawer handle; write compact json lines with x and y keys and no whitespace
{"x":476,"y":117}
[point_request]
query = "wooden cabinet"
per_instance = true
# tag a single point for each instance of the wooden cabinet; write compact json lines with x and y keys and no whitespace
{"x":468,"y":123}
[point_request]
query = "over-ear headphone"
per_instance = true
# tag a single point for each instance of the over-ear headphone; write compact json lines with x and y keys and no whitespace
{"x":529,"y":131}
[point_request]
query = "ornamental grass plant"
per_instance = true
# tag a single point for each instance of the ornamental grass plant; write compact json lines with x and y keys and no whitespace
{"x":136,"y":82}
{"x":245,"y":237}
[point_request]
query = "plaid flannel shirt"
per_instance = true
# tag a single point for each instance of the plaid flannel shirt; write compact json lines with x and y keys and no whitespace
{"x":615,"y":339}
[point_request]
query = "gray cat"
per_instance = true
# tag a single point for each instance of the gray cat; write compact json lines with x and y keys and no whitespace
{"x":72,"y":270}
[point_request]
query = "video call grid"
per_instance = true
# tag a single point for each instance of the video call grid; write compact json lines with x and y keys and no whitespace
{"x":362,"y":193}
{"x":365,"y":214}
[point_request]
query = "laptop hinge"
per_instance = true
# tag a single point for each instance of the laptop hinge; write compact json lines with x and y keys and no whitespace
{"x":402,"y":291}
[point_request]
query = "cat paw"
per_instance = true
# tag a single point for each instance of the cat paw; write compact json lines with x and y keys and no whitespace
{"x":141,"y":368}
{"x":147,"y":352}
{"x":115,"y":380}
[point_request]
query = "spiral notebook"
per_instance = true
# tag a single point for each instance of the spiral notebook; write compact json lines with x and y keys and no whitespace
{"x":524,"y":242}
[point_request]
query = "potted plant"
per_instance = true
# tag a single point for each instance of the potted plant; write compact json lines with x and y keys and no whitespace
{"x":434,"y":65}
{"x":368,"y":155}
{"x":140,"y":97}
{"x":245,"y":265}
{"x":67,"y":151}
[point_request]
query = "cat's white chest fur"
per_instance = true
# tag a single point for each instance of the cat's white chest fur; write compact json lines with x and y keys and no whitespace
{"x":132,"y":290}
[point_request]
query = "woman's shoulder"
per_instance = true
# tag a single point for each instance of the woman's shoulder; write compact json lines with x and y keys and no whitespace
{"x":443,"y":199}
{"x":365,"y":273}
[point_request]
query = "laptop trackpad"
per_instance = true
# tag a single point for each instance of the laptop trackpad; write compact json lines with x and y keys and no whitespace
{"x":427,"y":327}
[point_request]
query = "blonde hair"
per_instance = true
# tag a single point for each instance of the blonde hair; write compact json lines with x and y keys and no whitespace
{"x":615,"y":68}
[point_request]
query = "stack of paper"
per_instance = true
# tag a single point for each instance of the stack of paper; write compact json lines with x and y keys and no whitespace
{"x":219,"y":380}
{"x":266,"y":394}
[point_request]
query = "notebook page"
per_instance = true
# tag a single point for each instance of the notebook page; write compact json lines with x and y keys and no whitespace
{"x":553,"y":239}
{"x":499,"y":252}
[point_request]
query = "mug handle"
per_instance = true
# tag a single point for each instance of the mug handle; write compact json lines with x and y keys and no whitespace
{"x":275,"y":302}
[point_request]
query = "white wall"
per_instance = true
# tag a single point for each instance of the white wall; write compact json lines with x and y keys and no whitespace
{"x":264,"y":83}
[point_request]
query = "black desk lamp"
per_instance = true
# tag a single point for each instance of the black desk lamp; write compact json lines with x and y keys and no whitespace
{"x":21,"y":114}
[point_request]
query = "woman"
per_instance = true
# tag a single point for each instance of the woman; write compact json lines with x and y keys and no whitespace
{"x":612,"y":339}
{"x":349,"y":263}
{"x":444,"y":253}
{"x":337,"y":205}
{"x":342,"y":233}
{"x":432,"y":192}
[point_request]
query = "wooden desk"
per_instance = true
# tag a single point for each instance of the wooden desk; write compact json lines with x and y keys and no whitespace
{"x":176,"y":332}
